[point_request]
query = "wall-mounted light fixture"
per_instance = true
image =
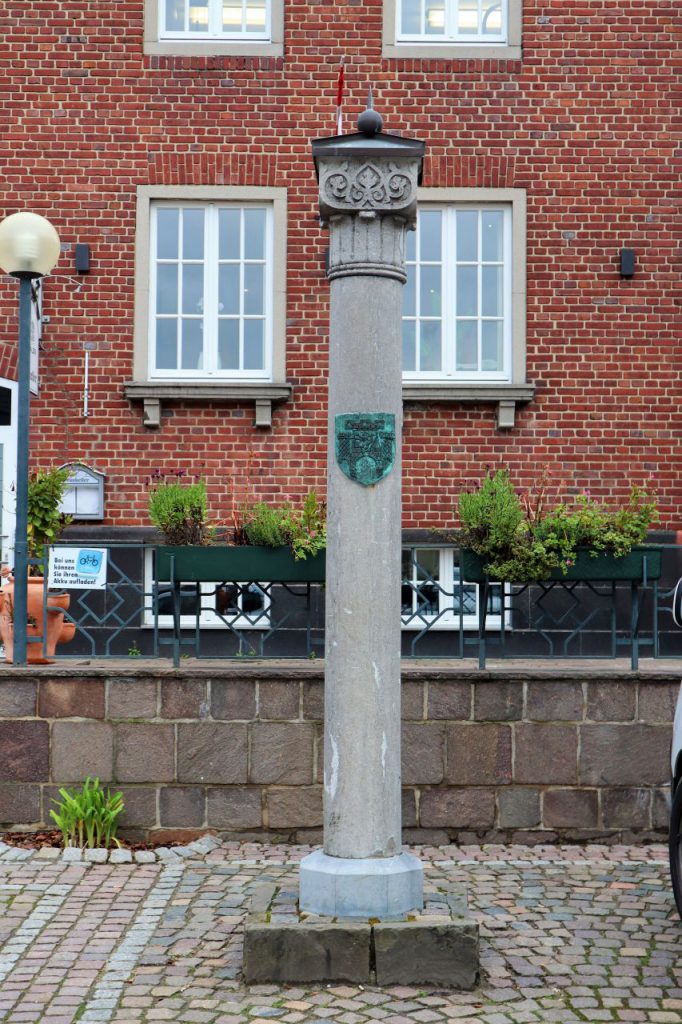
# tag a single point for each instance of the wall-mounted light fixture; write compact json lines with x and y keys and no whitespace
{"x":627,"y":262}
{"x":82,"y":258}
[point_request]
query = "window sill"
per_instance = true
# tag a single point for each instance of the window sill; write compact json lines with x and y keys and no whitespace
{"x":505,"y":395}
{"x":212,"y":48}
{"x":451,"y":51}
{"x":154,"y":393}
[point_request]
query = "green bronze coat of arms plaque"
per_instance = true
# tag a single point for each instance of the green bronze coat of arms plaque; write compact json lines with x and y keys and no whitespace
{"x":365,"y":445}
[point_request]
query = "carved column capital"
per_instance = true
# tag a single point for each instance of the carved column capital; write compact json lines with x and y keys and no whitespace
{"x":369,"y":204}
{"x":369,"y":187}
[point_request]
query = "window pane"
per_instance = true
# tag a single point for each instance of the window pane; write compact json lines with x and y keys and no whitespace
{"x":491,"y":344}
{"x":492,"y":304}
{"x":430,"y":236}
{"x":492,"y":17}
{"x":430,"y":345}
{"x":253,"y":288}
{"x":167,"y":288}
{"x":410,"y":21}
{"x":435,"y":17}
{"x":409,"y":292}
{"x":193,"y":288}
{"x":430,"y":291}
{"x":468,"y":17}
{"x":255,"y":15}
{"x":467,"y":235}
{"x":198,"y":16}
{"x":253,"y":345}
{"x":229,"y":231}
{"x":428,"y":563}
{"x":167,"y":233}
{"x":232,"y":16}
{"x":467,"y":291}
{"x":193,"y":234}
{"x":228,"y":345}
{"x":467,"y":345}
{"x":493,"y":233}
{"x":254,"y":234}
{"x":175,"y":15}
{"x":409,"y":346}
{"x":166,"y":344}
{"x":192,"y":345}
{"x":406,"y":591}
{"x":468,"y":593}
{"x":228,"y":289}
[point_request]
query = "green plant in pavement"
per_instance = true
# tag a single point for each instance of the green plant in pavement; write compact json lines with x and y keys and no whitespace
{"x":88,"y":818}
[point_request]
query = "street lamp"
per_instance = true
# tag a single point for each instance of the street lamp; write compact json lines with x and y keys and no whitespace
{"x":29,"y":248}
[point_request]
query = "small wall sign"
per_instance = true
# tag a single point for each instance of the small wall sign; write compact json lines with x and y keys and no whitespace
{"x":78,"y":568}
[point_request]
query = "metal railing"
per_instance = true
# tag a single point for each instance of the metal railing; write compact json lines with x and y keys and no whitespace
{"x":135,"y":615}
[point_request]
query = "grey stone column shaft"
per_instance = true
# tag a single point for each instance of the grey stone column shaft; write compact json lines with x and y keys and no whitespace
{"x":362,"y":806}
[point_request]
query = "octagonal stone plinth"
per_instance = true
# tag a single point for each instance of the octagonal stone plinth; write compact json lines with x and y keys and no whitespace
{"x":362,"y":888}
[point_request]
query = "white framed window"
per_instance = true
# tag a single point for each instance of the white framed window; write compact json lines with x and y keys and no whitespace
{"x":210,"y":307}
{"x":214,"y":19}
{"x":453,"y":29}
{"x":199,"y":28}
{"x":432,"y":597}
{"x":239,"y":606}
{"x":457,"y":302}
{"x":452,"y":20}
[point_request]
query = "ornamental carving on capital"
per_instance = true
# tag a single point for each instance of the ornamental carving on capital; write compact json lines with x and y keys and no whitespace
{"x":380,"y":186}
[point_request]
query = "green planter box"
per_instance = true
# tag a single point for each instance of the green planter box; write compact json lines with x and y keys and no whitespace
{"x":224,"y":564}
{"x":603,"y":567}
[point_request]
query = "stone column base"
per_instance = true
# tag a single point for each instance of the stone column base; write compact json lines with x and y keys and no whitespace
{"x":368,"y":887}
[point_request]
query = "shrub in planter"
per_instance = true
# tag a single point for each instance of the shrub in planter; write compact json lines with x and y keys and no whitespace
{"x":517,"y":538}
{"x":179,"y":509}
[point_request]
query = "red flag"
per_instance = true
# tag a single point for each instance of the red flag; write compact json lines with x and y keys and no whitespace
{"x":339,"y":101}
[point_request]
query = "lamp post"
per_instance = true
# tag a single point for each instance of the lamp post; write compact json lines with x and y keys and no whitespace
{"x":29,"y":248}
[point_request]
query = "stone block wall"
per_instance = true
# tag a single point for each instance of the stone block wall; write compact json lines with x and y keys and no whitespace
{"x":537,"y":755}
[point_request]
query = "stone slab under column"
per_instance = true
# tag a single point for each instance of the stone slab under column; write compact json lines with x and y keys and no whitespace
{"x":361,"y":887}
{"x":434,"y":946}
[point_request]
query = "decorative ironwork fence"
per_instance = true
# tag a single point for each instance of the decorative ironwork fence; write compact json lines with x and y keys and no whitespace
{"x":139,"y":615}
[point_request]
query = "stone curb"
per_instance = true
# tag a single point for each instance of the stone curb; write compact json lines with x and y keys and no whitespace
{"x":72,"y":855}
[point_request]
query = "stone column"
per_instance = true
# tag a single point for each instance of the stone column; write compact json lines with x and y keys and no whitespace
{"x":368,"y":196}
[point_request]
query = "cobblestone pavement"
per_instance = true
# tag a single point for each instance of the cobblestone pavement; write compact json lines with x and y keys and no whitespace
{"x":567,"y":934}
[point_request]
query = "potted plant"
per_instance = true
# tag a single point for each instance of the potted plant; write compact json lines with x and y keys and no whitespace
{"x":45,"y":524}
{"x":515,"y":538}
{"x":279,"y":544}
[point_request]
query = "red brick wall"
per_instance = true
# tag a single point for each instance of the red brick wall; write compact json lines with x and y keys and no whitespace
{"x":584,"y":122}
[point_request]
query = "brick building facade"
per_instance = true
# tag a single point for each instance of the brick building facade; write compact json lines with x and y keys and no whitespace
{"x":177,"y":147}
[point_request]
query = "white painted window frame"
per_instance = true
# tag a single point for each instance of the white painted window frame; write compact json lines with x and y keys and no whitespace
{"x":214,"y":31}
{"x":221,"y":195}
{"x":433,"y":47}
{"x":448,"y":317}
{"x":200,"y":44}
{"x":447,"y":617}
{"x":450,"y":33}
{"x":210,"y":371}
